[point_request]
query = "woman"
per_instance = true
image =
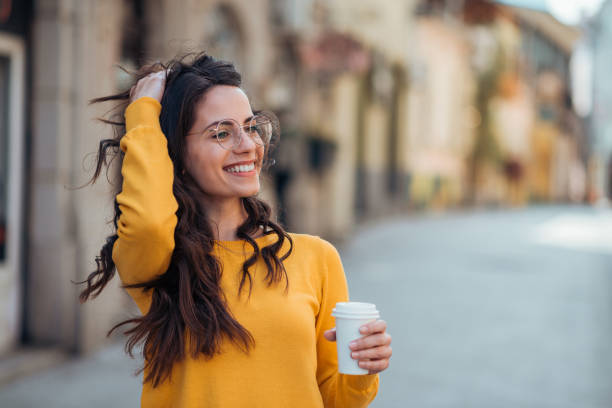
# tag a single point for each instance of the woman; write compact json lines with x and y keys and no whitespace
{"x":236,"y":312}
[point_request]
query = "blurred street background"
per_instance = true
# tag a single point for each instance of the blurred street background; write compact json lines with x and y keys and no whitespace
{"x":458,"y":152}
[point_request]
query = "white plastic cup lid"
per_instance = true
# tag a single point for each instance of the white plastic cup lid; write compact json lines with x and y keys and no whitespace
{"x":355,"y":310}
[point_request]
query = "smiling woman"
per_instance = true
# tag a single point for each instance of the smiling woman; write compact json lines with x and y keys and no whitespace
{"x":222,"y":162}
{"x":235,"y":310}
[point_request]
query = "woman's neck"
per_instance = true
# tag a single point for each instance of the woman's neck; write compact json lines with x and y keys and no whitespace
{"x":225,"y":216}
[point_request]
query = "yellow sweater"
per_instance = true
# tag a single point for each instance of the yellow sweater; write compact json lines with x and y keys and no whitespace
{"x":292,"y":364}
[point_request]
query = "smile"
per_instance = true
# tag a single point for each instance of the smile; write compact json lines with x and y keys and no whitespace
{"x":245,"y":168}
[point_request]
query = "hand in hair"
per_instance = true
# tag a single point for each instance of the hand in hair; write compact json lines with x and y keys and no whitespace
{"x":152,"y":85}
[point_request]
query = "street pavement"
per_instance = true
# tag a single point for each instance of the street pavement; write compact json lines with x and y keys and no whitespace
{"x":493,"y":309}
{"x":486,"y":309}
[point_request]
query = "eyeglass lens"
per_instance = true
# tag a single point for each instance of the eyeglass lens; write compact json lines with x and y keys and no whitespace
{"x":229,"y":132}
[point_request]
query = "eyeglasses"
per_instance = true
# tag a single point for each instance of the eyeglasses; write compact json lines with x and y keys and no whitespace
{"x":228,"y":132}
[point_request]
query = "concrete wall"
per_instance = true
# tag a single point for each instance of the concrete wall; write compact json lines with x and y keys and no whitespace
{"x":375,"y":158}
{"x":338,"y":201}
{"x":76,"y":44}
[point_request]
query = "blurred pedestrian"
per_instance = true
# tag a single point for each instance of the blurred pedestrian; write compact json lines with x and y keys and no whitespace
{"x":236,"y":311}
{"x":514,"y":173}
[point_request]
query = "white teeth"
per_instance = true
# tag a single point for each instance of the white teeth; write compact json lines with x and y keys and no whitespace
{"x":241,"y":168}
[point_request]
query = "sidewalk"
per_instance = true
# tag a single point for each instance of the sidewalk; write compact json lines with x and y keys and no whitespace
{"x":102,"y":380}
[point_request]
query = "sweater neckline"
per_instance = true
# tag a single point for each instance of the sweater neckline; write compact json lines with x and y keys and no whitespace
{"x":243,"y":244}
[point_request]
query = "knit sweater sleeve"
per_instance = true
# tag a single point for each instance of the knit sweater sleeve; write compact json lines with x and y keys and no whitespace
{"x":148,"y":208}
{"x":338,"y":390}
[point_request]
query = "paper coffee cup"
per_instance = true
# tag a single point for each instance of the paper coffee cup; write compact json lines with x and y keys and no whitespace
{"x":350,"y":316}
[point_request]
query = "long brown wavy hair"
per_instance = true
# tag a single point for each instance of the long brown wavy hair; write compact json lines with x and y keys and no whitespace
{"x":187,"y":299}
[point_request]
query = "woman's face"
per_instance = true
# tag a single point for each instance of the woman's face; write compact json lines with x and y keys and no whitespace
{"x":210,"y":165}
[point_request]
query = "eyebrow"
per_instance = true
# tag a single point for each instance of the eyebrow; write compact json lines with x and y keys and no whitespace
{"x":221,"y":120}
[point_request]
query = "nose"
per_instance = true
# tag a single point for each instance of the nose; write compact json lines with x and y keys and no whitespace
{"x":245,"y":144}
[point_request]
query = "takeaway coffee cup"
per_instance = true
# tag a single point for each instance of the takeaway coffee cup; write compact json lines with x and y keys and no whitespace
{"x":350,"y":316}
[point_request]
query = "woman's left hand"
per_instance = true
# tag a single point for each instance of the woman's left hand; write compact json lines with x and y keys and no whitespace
{"x":373,"y":350}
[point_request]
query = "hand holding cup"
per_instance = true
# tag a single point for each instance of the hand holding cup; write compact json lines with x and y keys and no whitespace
{"x":370,"y":346}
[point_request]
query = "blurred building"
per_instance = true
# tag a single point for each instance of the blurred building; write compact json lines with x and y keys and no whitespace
{"x":56,"y":55}
{"x":559,"y":137}
{"x":600,"y":47}
{"x":349,"y":114}
{"x":14,"y":33}
{"x":492,"y":121}
{"x":522,"y":138}
{"x":443,"y":117}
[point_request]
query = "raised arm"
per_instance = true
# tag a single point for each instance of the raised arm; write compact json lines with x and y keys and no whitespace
{"x":148,"y":207}
{"x":338,"y":390}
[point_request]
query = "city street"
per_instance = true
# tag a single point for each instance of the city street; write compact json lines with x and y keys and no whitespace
{"x":494,"y":309}
{"x":487,"y":309}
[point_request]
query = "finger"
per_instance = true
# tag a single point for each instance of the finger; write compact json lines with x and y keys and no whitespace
{"x":375,"y":353}
{"x":330,"y":334}
{"x":375,"y":366}
{"x":373,"y":340}
{"x":377,"y":326}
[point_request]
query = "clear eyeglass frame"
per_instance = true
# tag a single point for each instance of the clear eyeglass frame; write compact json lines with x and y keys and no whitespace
{"x":229,"y":133}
